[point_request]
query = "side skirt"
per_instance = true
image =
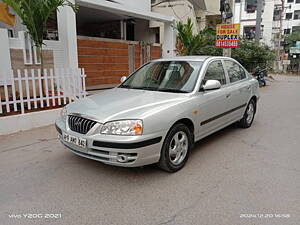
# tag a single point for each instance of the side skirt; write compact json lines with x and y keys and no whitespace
{"x":215,"y":130}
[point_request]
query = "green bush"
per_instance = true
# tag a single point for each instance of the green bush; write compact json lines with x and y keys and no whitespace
{"x":252,"y":54}
{"x":249,"y":53}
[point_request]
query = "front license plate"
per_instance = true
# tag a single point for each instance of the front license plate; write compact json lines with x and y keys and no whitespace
{"x":81,"y":142}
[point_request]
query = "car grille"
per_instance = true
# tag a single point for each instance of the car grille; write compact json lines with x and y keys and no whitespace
{"x":79,"y":124}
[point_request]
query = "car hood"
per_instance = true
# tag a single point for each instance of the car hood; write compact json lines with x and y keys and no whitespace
{"x":121,"y":103}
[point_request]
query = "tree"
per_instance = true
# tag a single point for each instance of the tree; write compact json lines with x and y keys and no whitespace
{"x":208,"y":37}
{"x":195,"y":44}
{"x":291,"y":39}
{"x":252,"y":54}
{"x":35,"y":14}
{"x":187,"y":42}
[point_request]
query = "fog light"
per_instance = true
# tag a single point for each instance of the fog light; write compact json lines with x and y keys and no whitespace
{"x":122,"y":158}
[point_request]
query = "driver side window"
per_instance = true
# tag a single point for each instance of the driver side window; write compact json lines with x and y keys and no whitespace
{"x":215,"y":71}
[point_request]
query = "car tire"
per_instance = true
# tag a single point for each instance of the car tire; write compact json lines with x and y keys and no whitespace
{"x":176,"y":148}
{"x":249,"y":114}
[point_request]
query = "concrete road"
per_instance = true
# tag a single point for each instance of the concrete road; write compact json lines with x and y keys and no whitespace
{"x":236,"y":176}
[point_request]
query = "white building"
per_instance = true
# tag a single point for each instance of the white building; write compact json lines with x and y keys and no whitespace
{"x":107,"y":38}
{"x":245,"y":14}
{"x":203,"y":13}
{"x":291,"y":15}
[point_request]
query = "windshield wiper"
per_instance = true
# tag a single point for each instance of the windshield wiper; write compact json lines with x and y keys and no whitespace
{"x":145,"y":88}
{"x":140,"y":88}
{"x":154,"y":89}
{"x":172,"y":90}
{"x":125,"y":86}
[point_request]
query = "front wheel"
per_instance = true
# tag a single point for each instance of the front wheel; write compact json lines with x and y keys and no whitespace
{"x":176,"y":148}
{"x":249,"y":114}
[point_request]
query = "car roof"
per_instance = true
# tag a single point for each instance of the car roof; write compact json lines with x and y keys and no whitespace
{"x":189,"y":58}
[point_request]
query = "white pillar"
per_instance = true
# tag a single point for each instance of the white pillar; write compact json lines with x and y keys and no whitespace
{"x":66,"y":20}
{"x":5,"y":62}
{"x":169,"y":41}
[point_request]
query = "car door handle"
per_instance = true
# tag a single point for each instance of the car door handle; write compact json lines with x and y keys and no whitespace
{"x":249,"y":87}
{"x":228,"y":95}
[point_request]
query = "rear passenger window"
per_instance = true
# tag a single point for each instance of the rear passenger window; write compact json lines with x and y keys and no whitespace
{"x":215,"y":71}
{"x":235,"y":71}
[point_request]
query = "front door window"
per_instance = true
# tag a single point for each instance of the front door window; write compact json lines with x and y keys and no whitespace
{"x":215,"y":71}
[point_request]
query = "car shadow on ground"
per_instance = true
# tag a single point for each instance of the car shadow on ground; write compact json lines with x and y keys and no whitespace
{"x":201,"y":144}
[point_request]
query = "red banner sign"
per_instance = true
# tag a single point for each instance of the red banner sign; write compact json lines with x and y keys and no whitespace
{"x":228,"y":35}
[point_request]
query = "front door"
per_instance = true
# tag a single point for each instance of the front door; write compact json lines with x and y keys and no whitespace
{"x":213,"y":103}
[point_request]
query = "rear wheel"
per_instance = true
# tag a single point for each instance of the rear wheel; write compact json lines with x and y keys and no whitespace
{"x":249,"y":114}
{"x":176,"y":148}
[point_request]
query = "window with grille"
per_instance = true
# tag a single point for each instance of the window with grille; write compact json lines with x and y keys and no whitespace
{"x":288,"y":16}
{"x":251,"y":6}
{"x":287,"y":31}
{"x":295,"y":29}
{"x":296,"y":14}
{"x":276,"y":14}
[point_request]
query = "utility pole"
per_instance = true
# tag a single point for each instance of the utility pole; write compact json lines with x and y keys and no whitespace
{"x":258,"y":20}
{"x":227,"y":51}
{"x":280,"y":30}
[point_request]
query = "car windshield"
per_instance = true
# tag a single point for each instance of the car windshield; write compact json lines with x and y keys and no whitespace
{"x":168,"y":76}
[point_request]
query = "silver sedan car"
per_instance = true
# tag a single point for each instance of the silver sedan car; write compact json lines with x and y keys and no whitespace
{"x":157,"y":113}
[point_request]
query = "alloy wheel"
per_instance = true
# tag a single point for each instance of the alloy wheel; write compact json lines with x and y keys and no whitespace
{"x":178,"y":148}
{"x":250,"y":113}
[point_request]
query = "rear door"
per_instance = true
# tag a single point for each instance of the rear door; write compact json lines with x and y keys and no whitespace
{"x":239,"y":88}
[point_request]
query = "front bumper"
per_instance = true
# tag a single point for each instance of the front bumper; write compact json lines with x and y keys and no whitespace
{"x":127,"y":151}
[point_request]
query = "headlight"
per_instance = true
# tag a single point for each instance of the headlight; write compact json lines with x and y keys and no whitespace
{"x":63,"y":113}
{"x":123,"y":127}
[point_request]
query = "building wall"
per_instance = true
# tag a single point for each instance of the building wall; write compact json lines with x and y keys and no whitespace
{"x":64,"y":50}
{"x":212,"y":7}
{"x":270,"y":27}
{"x":289,"y":24}
{"x":201,"y":18}
{"x":267,"y":22}
{"x":245,"y":19}
{"x":17,"y":60}
{"x":136,"y":4}
{"x":18,"y":27}
{"x":143,"y":32}
{"x":106,"y":60}
{"x":180,"y":10}
{"x":56,"y":47}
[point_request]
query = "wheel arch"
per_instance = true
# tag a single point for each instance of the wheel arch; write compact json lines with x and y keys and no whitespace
{"x":190,"y":125}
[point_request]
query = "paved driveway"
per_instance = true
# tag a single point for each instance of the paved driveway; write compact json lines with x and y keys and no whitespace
{"x":231,"y":175}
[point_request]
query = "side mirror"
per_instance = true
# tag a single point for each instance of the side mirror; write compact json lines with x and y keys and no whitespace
{"x":123,"y":78}
{"x":211,"y":85}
